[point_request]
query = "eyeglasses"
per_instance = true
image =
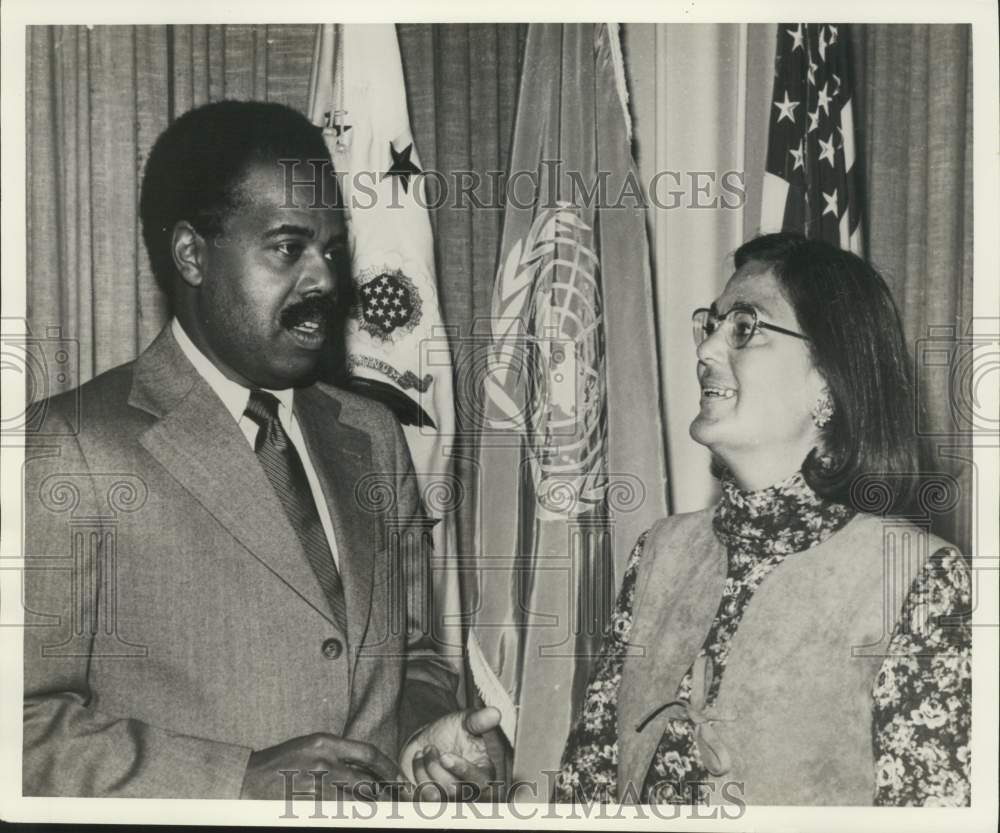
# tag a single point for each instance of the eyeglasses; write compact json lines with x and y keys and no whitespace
{"x":743,"y":324}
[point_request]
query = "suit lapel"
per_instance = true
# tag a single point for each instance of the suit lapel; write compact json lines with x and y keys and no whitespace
{"x":199,"y":443}
{"x":342,"y":457}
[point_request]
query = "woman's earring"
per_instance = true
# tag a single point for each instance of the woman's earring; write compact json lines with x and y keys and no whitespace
{"x":822,"y":412}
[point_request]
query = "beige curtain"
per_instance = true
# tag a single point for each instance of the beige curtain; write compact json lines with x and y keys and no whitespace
{"x":916,"y":99}
{"x":700,"y":104}
{"x":91,"y":115}
{"x":461,"y":85}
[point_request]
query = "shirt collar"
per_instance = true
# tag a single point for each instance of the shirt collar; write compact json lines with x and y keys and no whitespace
{"x":233,"y":395}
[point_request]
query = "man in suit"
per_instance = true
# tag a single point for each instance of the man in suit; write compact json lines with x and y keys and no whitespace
{"x":221,"y":560}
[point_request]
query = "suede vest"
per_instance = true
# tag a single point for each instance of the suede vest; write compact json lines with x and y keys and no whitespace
{"x":794,"y":709}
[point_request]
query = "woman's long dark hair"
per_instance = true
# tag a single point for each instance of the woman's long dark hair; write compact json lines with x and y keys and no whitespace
{"x":845,"y":308}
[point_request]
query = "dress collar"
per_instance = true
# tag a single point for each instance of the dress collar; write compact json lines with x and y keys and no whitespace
{"x":786,"y":517}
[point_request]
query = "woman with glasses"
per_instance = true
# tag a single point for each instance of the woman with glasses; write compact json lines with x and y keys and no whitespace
{"x":783,"y":647}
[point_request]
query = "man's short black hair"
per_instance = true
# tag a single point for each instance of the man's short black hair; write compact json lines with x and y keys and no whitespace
{"x":197,"y":164}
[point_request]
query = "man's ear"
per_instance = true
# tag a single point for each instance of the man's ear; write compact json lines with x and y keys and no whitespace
{"x":188,"y":249}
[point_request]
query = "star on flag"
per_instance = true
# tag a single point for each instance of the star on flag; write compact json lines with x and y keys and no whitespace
{"x":824,"y":99}
{"x":796,"y":36}
{"x":401,"y":165}
{"x":828,"y":151}
{"x":813,"y":69}
{"x":787,"y":108}
{"x":797,"y":156}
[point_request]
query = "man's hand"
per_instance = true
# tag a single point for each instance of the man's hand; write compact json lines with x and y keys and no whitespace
{"x":451,"y":751}
{"x":347,"y":762}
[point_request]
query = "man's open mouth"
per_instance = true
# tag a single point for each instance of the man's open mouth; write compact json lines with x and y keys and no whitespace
{"x":308,"y":333}
{"x":308,"y":321}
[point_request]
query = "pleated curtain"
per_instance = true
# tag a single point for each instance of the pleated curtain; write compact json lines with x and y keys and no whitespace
{"x":461,"y":82}
{"x":915,"y":87}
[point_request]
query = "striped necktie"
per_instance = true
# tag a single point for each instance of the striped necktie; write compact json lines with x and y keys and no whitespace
{"x":284,"y":469}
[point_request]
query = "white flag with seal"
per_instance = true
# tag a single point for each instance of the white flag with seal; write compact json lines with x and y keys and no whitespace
{"x":397,"y":348}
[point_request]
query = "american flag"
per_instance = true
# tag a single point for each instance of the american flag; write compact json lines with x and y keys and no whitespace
{"x":812,"y":182}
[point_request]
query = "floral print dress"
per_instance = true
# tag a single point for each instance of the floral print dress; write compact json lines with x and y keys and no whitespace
{"x":921,"y":714}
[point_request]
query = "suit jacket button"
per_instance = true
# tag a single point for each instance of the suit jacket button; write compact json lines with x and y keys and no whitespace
{"x":332,"y":648}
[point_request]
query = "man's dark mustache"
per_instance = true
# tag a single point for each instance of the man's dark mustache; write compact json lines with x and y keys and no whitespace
{"x":321,"y":308}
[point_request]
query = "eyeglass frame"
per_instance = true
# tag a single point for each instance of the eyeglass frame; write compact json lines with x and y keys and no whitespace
{"x":757,"y":323}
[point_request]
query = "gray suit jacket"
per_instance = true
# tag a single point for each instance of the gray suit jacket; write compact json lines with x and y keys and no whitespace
{"x":173,"y":623}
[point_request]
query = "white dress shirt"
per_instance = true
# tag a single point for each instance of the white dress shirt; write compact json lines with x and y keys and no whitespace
{"x":235,"y":397}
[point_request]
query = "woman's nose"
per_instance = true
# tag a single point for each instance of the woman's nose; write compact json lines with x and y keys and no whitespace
{"x":715,"y":346}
